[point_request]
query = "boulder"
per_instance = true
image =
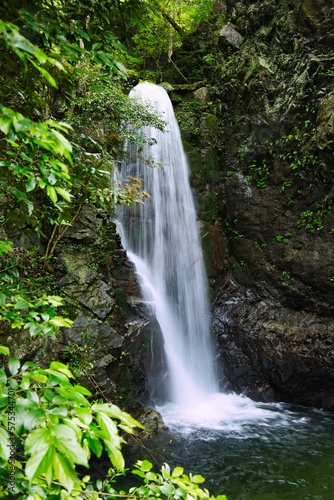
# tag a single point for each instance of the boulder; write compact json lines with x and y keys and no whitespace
{"x":230,"y":36}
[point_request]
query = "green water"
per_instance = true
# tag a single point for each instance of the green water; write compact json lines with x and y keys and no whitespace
{"x":287,"y":457}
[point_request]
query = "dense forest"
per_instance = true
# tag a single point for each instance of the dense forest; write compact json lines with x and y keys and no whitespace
{"x":252,"y":86}
{"x":66,"y":69}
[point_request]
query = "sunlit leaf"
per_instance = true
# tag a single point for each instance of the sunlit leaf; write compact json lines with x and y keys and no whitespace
{"x":13,"y":366}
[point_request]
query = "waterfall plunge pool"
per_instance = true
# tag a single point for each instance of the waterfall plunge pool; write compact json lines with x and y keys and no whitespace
{"x":247,"y":450}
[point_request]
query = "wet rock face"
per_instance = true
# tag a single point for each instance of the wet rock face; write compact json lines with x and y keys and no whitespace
{"x":275,"y":295}
{"x":271,"y":353}
{"x":109,"y":338}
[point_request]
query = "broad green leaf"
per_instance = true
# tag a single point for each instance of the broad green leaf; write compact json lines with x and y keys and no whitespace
{"x":56,"y":365}
{"x":60,"y":411}
{"x":82,"y":390}
{"x":28,"y":364}
{"x":4,"y":350}
{"x":145,"y":465}
{"x":27,"y":418}
{"x":39,"y":462}
{"x":197,"y":479}
{"x":108,"y":427}
{"x":64,"y":194}
{"x":5,"y":124}
{"x":39,"y":377}
{"x":115,"y":412}
{"x":177,"y":472}
{"x":21,"y":303}
{"x":115,"y":455}
{"x":3,"y":377}
{"x":85,"y":415}
{"x":167,"y":489}
{"x":3,"y":299}
{"x":60,"y":321}
{"x":72,"y":450}
{"x":30,"y":184}
{"x":4,"y":444}
{"x":51,"y":192}
{"x":94,"y":443}
{"x":72,"y":395}
{"x":64,"y":471}
{"x":38,"y":440}
{"x":3,"y":401}
{"x":13,"y":366}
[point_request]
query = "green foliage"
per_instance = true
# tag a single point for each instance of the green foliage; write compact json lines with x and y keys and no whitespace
{"x":48,"y":428}
{"x":188,"y":114}
{"x":166,"y":24}
{"x":284,"y":238}
{"x":38,"y":156}
{"x":56,"y":428}
{"x":27,"y":52}
{"x":21,"y":304}
{"x":259,"y":172}
{"x":169,"y":484}
{"x":27,"y":164}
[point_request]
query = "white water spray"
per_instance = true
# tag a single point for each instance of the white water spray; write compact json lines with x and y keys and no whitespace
{"x":162,"y":240}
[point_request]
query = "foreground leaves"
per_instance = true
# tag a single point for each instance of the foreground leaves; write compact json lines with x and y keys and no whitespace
{"x":48,"y":428}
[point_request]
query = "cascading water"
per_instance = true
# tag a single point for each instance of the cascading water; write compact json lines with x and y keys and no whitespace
{"x":162,"y":239}
{"x":246,"y":449}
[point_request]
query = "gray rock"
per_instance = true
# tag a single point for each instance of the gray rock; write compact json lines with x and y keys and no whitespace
{"x":231,"y":36}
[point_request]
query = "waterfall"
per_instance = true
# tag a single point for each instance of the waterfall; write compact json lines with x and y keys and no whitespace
{"x":162,"y":239}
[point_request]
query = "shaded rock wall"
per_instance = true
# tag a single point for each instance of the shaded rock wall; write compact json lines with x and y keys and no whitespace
{"x":262,"y":170}
{"x":274,"y":308}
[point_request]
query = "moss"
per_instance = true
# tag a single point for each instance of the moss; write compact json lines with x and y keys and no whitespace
{"x":121,"y":299}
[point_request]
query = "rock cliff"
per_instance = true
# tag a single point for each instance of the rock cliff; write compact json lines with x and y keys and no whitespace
{"x":269,"y":73}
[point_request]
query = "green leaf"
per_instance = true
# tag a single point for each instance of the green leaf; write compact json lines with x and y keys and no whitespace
{"x":82,"y":390}
{"x":56,"y":365}
{"x":51,"y":192}
{"x":30,"y":184}
{"x":49,"y":78}
{"x":38,"y":377}
{"x":145,"y":465}
{"x":4,"y":350}
{"x":40,"y":462}
{"x":115,"y":455}
{"x":197,"y":479}
{"x":60,"y":321}
{"x":64,"y":194}
{"x":65,"y":441}
{"x":21,"y":303}
{"x":177,"y":472}
{"x":13,"y":366}
{"x":108,"y":427}
{"x":28,"y":364}
{"x":4,"y":444}
{"x":93,"y":443}
{"x":64,"y":471}
{"x":3,"y":377}
{"x":27,"y":418}
{"x":85,"y":415}
{"x":5,"y":124}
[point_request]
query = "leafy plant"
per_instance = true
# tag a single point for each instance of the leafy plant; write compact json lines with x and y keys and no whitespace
{"x":48,"y":428}
{"x":21,"y":306}
{"x":56,"y":428}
